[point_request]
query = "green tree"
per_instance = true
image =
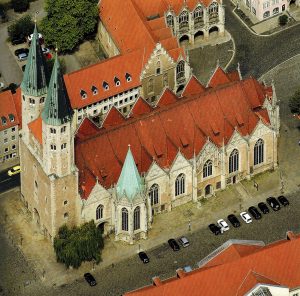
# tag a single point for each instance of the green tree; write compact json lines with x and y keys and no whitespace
{"x":78,"y":244}
{"x":20,"y":5}
{"x":22,"y":27}
{"x":68,"y":22}
{"x":294,"y":103}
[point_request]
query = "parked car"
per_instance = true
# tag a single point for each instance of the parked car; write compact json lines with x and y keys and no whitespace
{"x":143,"y":256}
{"x":272,"y":201}
{"x":263,"y":207}
{"x":223,"y":225}
{"x":22,"y":57}
{"x":21,"y":50}
{"x":18,"y":40}
{"x":31,"y":35}
{"x":234,"y":220}
{"x":173,"y":244}
{"x":254,"y":213}
{"x":283,"y":200}
{"x":45,"y":50}
{"x":48,"y":56}
{"x":90,"y":279}
{"x":246,"y":217}
{"x":184,"y":241}
{"x":214,"y":229}
{"x":14,"y":170}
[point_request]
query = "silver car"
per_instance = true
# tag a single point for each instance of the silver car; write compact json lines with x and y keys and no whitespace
{"x":22,"y":56}
{"x":184,"y":241}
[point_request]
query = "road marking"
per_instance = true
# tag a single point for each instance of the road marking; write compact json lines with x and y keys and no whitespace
{"x":5,"y":180}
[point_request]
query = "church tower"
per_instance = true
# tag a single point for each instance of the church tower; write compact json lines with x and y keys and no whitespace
{"x":58,"y":140}
{"x":34,"y":85}
{"x":131,"y":203}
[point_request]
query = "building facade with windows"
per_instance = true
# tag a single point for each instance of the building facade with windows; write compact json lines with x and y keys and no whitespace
{"x":9,"y":129}
{"x":263,"y":9}
{"x":159,"y":156}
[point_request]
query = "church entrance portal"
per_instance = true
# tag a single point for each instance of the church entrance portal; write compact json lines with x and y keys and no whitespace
{"x":208,"y":190}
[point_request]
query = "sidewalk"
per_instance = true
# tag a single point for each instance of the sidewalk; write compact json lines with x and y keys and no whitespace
{"x":39,"y":252}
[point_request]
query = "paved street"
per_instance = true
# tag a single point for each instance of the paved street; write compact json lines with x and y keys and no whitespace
{"x":7,"y":182}
{"x":257,"y":54}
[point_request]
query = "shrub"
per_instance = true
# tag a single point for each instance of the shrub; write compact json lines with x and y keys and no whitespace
{"x":283,"y":19}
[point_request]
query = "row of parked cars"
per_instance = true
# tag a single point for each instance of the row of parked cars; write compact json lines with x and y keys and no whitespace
{"x":274,"y":203}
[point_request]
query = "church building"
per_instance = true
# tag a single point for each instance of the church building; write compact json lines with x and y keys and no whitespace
{"x":129,"y":168}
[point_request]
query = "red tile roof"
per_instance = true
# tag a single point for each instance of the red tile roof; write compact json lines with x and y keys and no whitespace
{"x":219,"y":77}
{"x":8,"y":110}
{"x":18,"y":104}
{"x":277,"y":264}
{"x":140,"y":107}
{"x":166,"y":98}
{"x":193,"y":87}
{"x":86,"y":129}
{"x":105,"y":71}
{"x":113,"y":117}
{"x":36,"y":129}
{"x":181,"y":124}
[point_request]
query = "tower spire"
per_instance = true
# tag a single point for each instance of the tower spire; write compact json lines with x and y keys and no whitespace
{"x":130,"y":181}
{"x":36,"y":75}
{"x":57,"y":108}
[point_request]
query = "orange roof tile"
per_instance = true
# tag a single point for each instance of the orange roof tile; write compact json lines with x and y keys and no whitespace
{"x":113,"y":117}
{"x":104,"y":72}
{"x":219,"y":77}
{"x":193,"y":87}
{"x":8,"y":112}
{"x":18,"y":104}
{"x":36,"y":129}
{"x":140,"y":107}
{"x":175,"y":124}
{"x":274,"y":265}
{"x":86,"y":129}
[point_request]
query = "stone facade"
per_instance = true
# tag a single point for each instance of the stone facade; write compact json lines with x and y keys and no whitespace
{"x":9,"y":145}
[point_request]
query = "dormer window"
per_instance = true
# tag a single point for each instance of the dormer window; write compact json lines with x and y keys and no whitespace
{"x":3,"y":120}
{"x":105,"y":85}
{"x":11,"y":117}
{"x":83,"y":94}
{"x":128,"y":77}
{"x":94,"y":90}
{"x":158,"y":68}
{"x":117,"y":81}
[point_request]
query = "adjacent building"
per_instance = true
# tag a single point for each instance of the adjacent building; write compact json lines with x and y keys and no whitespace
{"x":9,"y":129}
{"x":238,"y":267}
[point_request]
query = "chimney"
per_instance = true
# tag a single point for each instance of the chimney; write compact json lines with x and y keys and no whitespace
{"x":290,"y":235}
{"x":156,"y":281}
{"x":180,"y":273}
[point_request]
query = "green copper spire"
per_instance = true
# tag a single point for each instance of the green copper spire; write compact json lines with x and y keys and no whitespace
{"x":36,"y":76}
{"x":130,"y":182}
{"x":57,"y":108}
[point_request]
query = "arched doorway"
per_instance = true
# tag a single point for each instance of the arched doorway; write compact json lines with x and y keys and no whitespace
{"x":184,"y":40}
{"x":36,"y":216}
{"x":213,"y":31}
{"x":199,"y":36}
{"x":208,"y":190}
{"x":101,"y":227}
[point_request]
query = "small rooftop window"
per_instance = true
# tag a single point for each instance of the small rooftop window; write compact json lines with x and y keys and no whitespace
{"x":94,"y":90}
{"x":117,"y":81}
{"x":3,"y":120}
{"x":83,"y":94}
{"x":105,"y":85}
{"x":11,"y":117}
{"x":128,"y":77}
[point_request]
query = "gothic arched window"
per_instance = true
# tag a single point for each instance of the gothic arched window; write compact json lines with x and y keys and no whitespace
{"x":154,"y":194}
{"x":180,"y":70}
{"x":180,"y":184}
{"x":183,"y":17}
{"x":125,"y":219}
{"x":234,"y":161}
{"x":99,"y":212}
{"x":198,"y":13}
{"x":207,"y":169}
{"x":150,"y":85}
{"x":170,"y":21}
{"x":259,"y":152}
{"x":213,"y":8}
{"x":137,"y":218}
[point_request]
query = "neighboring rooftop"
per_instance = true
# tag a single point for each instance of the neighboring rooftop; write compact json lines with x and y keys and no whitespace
{"x":273,"y":265}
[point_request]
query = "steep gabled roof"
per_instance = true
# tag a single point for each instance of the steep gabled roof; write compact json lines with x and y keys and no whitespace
{"x":36,"y":129}
{"x":219,"y":77}
{"x":57,"y":109}
{"x":166,"y":98}
{"x":86,"y":129}
{"x":140,"y":107}
{"x":36,"y":75}
{"x":113,"y":117}
{"x":193,"y":87}
{"x":8,"y":112}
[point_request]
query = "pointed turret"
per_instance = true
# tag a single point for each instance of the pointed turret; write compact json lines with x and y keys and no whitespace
{"x":36,"y":75}
{"x":130,"y":182}
{"x":57,"y":110}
